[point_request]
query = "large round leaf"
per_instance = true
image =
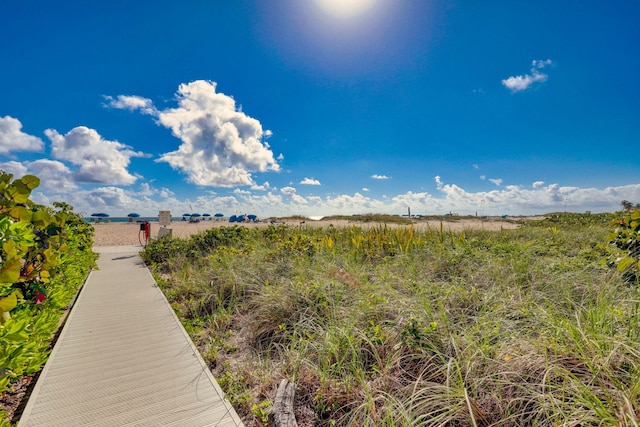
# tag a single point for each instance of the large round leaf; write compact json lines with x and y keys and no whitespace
{"x":30,"y":181}
{"x":21,"y":213}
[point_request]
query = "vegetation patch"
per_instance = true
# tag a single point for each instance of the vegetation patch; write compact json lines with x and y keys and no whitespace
{"x":45,"y":256}
{"x":391,"y":326}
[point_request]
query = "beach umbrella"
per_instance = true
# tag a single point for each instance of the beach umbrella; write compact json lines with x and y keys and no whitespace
{"x":196,"y":214}
{"x":219,"y":215}
{"x":133,"y":215}
{"x":205,"y":214}
{"x":100,"y":215}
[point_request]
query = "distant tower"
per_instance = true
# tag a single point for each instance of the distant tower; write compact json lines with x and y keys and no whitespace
{"x":409,"y":211}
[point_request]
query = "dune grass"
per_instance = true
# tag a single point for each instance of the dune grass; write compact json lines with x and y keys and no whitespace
{"x":394,"y":327}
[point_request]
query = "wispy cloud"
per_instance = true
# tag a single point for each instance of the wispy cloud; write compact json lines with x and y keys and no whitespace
{"x":221,"y":145}
{"x":310,"y":181}
{"x":13,"y":139}
{"x":523,"y":82}
{"x":295,"y":197}
{"x":265,"y":186}
{"x":376,"y":176}
{"x":240,"y":191}
{"x":496,"y":181}
{"x":131,"y":103}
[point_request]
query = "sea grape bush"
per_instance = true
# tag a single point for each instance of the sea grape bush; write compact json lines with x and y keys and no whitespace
{"x":626,"y":238}
{"x":45,"y":254}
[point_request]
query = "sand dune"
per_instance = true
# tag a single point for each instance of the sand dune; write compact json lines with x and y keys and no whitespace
{"x":123,"y":233}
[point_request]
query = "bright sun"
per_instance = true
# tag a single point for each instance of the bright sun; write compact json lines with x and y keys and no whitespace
{"x":345,"y":8}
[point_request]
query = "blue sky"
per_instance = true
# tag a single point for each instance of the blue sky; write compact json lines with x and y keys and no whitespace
{"x":281,"y":107}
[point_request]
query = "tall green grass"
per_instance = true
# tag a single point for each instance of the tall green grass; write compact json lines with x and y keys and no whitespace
{"x":391,"y":326}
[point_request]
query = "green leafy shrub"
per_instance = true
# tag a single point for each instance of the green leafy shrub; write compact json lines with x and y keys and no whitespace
{"x":626,"y":238}
{"x":45,"y":255}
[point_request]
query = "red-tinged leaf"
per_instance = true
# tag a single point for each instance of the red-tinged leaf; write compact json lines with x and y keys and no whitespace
{"x":40,"y":297}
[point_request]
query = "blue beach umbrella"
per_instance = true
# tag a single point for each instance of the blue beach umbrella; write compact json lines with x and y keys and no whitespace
{"x":100,"y":215}
{"x":133,"y":215}
{"x":219,"y":215}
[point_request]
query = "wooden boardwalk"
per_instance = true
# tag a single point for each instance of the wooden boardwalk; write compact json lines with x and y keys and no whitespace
{"x":124,"y":359}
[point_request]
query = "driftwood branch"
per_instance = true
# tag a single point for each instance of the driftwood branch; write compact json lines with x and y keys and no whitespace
{"x":283,"y":406}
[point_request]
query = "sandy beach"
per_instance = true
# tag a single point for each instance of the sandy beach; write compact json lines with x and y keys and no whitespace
{"x":124,"y":233}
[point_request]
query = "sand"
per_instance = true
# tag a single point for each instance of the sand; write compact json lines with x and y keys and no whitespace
{"x":126,"y":234}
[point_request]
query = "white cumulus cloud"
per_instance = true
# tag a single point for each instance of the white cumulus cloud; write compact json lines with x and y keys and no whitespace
{"x":309,"y":181}
{"x":54,"y":176}
{"x":147,"y":190}
{"x":17,"y":169}
{"x":99,"y":160}
{"x":288,"y":190}
{"x":165,"y":193}
{"x":109,"y":197}
{"x":220,"y":146}
{"x":356,"y":203}
{"x":523,"y":82}
{"x":13,"y":139}
{"x":264,"y":187}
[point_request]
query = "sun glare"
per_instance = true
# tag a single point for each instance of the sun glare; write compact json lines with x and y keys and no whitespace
{"x":345,"y":8}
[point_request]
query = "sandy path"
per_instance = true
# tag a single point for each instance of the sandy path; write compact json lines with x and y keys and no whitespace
{"x":123,"y":233}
